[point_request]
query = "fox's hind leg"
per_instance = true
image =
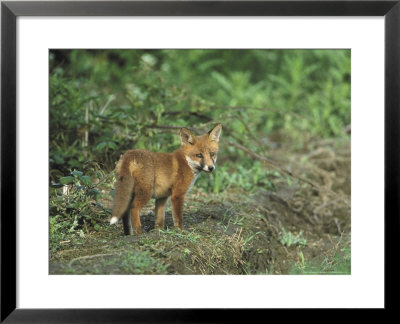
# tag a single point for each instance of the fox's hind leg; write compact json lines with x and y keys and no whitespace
{"x":160,"y":212}
{"x":127,"y":223}
{"x":141,"y":198}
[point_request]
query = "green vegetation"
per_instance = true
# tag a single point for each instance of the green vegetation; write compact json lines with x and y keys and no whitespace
{"x":78,"y":206}
{"x":288,"y":239}
{"x":103,"y":102}
{"x":337,"y":261}
{"x":287,"y":106}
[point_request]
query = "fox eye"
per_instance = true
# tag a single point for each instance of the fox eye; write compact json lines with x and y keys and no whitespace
{"x":199,"y":155}
{"x":212,"y":154}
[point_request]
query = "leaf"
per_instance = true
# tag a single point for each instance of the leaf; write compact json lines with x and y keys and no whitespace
{"x":101,"y":146}
{"x":74,"y":163}
{"x":96,"y":195}
{"x":66,"y":180}
{"x":86,"y":180}
{"x":58,"y":159}
{"x":112,"y":145}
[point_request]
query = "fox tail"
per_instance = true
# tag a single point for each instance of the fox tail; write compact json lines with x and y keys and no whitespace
{"x":123,"y":198}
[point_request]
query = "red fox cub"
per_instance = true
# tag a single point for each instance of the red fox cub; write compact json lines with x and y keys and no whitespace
{"x":142,"y":175}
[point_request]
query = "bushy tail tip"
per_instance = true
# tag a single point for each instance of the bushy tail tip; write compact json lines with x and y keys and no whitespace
{"x":114,"y":220}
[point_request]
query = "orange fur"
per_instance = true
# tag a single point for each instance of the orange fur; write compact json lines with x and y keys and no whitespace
{"x":142,"y":175}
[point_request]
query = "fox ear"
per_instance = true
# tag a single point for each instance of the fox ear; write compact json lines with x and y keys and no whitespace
{"x":187,"y":137}
{"x":214,"y":134}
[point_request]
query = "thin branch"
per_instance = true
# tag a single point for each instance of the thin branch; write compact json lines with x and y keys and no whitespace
{"x":92,"y":256}
{"x":286,"y":171}
{"x":183,"y":112}
{"x":280,"y":111}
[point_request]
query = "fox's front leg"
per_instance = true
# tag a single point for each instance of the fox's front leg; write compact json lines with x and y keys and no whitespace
{"x":177,"y":209}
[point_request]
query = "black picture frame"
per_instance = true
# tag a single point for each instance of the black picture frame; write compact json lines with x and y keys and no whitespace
{"x":9,"y":13}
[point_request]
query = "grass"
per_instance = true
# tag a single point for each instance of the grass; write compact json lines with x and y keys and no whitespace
{"x":229,"y":232}
{"x":205,"y":249}
{"x":338,"y":262}
{"x":122,"y":262}
{"x":141,"y":263}
{"x":288,"y":239}
{"x":215,"y":241}
{"x":273,"y":102}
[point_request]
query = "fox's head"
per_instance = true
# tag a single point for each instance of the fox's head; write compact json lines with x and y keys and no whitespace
{"x":201,"y":151}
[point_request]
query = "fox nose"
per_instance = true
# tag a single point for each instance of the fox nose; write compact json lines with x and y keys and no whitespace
{"x":210,"y":168}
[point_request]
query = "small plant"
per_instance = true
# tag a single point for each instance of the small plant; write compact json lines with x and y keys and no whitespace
{"x":287,"y":238}
{"x":238,"y":220}
{"x":302,"y":263}
{"x":74,"y":208}
{"x":337,"y":262}
{"x":140,"y":263}
{"x":57,"y":232}
{"x":192,"y":236}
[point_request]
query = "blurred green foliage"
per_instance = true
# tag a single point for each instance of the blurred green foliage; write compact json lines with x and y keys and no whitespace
{"x":104,"y":102}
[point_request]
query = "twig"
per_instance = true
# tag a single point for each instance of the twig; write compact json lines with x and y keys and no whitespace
{"x":110,"y":99}
{"x":168,"y":127}
{"x":183,"y":112}
{"x":92,"y":256}
{"x":286,"y":171}
{"x":280,"y":111}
